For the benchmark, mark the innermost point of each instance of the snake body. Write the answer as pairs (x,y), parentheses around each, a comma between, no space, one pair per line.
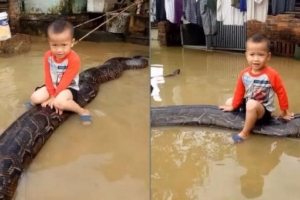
(209,115)
(24,138)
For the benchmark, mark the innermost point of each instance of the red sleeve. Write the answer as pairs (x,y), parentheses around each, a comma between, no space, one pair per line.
(70,73)
(280,91)
(48,79)
(239,92)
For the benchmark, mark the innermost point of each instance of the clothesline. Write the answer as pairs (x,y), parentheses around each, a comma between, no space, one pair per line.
(206,13)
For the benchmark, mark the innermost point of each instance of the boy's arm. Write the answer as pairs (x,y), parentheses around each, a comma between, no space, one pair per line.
(281,93)
(238,93)
(48,79)
(68,76)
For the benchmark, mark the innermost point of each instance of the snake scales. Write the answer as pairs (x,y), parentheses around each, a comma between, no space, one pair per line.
(207,115)
(25,137)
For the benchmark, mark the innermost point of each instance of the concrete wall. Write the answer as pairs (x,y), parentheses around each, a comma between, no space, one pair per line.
(32,14)
(79,6)
(18,7)
(47,7)
(53,6)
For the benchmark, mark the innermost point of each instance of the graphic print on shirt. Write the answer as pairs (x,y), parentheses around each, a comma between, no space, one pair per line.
(61,69)
(247,80)
(263,87)
(261,91)
(57,70)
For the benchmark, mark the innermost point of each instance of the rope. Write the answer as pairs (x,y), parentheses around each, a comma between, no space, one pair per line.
(123,10)
(97,17)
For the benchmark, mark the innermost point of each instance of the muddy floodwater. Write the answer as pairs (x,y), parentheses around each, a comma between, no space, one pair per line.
(107,160)
(194,163)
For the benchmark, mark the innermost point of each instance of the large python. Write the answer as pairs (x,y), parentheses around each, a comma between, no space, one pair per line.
(209,115)
(25,137)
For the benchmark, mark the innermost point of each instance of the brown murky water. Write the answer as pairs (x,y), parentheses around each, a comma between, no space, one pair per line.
(107,160)
(194,163)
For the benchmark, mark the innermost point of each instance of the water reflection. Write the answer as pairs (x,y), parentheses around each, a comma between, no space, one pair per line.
(157,78)
(191,164)
(182,161)
(157,82)
(259,161)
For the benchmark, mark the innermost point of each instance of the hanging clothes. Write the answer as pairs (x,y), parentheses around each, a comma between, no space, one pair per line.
(243,5)
(212,4)
(153,10)
(235,3)
(209,18)
(160,10)
(257,10)
(191,11)
(170,10)
(198,12)
(280,6)
(178,11)
(229,15)
(290,5)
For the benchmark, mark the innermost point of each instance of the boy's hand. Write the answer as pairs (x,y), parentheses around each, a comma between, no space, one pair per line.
(59,111)
(226,108)
(286,115)
(48,102)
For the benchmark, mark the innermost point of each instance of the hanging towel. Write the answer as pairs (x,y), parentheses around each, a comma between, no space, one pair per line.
(229,15)
(170,11)
(257,10)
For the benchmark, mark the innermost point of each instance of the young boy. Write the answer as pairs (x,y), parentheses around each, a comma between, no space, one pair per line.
(256,86)
(61,68)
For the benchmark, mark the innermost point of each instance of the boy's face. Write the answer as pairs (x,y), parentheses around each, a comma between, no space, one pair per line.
(60,43)
(257,55)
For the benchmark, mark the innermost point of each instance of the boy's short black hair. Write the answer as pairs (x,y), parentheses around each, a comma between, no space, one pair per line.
(60,25)
(257,38)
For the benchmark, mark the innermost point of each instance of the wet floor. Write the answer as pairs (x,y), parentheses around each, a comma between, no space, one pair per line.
(194,163)
(107,160)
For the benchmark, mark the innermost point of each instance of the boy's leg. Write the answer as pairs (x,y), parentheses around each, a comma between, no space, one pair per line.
(39,96)
(254,112)
(229,102)
(64,101)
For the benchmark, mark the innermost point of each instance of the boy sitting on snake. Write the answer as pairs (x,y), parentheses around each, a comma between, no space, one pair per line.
(61,69)
(256,86)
